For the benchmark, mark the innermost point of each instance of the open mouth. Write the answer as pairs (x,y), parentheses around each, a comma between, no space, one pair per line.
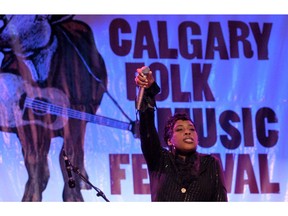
(188,140)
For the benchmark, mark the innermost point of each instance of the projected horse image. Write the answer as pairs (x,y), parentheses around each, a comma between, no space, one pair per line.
(53,79)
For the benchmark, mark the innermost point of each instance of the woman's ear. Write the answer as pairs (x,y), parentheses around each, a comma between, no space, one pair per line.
(169,142)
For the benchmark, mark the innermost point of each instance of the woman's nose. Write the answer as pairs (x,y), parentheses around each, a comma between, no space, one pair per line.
(187,131)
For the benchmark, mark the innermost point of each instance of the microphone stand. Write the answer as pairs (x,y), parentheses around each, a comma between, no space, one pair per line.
(99,192)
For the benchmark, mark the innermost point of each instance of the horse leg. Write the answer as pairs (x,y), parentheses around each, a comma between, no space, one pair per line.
(74,134)
(35,148)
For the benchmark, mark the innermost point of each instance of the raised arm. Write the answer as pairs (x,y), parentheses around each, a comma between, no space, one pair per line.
(150,143)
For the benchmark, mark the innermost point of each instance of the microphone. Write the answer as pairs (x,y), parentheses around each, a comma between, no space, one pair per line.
(71,181)
(145,70)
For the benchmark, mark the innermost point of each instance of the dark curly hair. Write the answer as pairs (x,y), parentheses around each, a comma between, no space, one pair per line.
(168,130)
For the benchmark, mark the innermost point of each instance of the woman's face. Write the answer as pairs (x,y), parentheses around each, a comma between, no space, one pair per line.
(184,137)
